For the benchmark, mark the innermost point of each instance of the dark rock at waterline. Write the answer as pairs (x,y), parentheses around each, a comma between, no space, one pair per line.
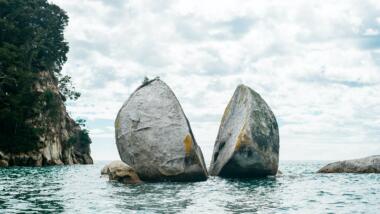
(119,171)
(369,164)
(154,136)
(4,160)
(247,144)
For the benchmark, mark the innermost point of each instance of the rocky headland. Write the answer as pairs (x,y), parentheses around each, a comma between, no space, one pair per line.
(35,128)
(61,141)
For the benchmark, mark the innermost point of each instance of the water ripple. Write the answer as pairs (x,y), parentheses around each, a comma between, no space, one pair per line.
(80,189)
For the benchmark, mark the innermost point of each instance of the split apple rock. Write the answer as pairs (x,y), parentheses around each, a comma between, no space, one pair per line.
(247,144)
(154,136)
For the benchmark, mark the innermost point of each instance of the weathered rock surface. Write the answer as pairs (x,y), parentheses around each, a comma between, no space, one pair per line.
(247,144)
(364,165)
(154,136)
(60,139)
(4,160)
(119,171)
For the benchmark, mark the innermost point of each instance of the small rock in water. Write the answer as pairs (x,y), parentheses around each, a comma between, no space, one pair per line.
(119,171)
(3,163)
(154,136)
(369,164)
(4,160)
(247,144)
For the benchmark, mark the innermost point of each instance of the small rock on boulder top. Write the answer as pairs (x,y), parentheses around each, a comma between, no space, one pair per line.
(364,165)
(247,144)
(154,136)
(119,171)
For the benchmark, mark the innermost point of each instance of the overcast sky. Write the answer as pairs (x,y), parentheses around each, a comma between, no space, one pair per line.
(316,63)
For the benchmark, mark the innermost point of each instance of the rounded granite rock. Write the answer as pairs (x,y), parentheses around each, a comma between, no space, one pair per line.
(154,136)
(363,165)
(4,159)
(119,171)
(4,163)
(247,144)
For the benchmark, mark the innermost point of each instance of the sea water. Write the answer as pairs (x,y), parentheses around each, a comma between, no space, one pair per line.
(81,189)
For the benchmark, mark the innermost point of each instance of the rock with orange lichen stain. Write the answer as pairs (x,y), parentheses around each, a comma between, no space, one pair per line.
(247,144)
(154,136)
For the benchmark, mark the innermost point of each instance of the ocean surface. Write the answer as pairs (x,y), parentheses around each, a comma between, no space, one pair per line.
(80,189)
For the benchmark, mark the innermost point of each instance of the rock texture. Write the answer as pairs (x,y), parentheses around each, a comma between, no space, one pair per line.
(60,141)
(119,171)
(154,136)
(247,144)
(364,165)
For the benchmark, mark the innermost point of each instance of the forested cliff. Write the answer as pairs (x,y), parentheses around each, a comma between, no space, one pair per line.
(35,128)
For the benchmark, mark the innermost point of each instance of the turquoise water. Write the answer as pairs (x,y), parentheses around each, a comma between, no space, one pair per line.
(80,189)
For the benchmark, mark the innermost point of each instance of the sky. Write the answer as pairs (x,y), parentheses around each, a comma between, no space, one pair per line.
(316,64)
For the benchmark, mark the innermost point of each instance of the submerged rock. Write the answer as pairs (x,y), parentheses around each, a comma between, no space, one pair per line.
(119,171)
(369,164)
(247,144)
(154,136)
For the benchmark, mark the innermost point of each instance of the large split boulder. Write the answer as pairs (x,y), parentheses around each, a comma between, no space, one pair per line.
(247,144)
(154,136)
(369,164)
(119,171)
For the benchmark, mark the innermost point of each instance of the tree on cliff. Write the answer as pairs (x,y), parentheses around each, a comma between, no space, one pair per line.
(31,42)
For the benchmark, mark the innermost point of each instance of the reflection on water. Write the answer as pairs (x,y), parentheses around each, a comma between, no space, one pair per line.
(252,195)
(80,189)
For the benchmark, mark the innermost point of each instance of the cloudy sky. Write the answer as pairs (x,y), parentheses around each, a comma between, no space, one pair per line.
(316,63)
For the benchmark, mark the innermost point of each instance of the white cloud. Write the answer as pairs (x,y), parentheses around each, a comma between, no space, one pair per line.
(371,32)
(315,63)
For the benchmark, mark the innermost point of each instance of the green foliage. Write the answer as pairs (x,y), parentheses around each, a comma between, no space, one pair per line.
(81,138)
(145,81)
(67,89)
(81,122)
(31,41)
(33,31)
(51,104)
